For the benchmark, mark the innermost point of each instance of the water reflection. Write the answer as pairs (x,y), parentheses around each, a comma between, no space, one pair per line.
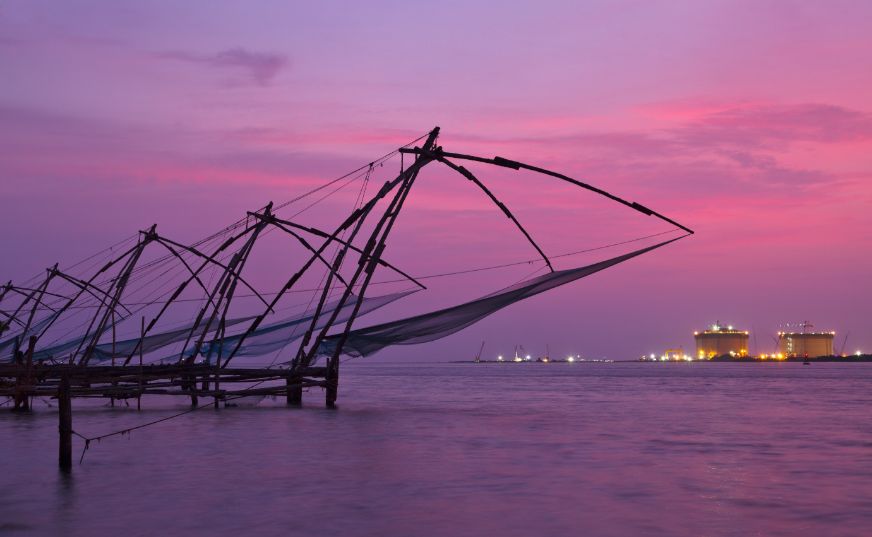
(562,449)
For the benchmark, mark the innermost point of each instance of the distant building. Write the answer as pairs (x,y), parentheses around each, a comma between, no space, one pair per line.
(720,340)
(806,344)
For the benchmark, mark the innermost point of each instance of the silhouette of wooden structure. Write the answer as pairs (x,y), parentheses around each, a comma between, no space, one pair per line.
(204,368)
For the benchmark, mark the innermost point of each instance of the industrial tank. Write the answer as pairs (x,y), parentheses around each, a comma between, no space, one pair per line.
(806,344)
(719,340)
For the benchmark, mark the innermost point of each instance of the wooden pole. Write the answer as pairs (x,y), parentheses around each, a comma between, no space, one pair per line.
(28,399)
(24,381)
(65,425)
(141,342)
(332,382)
(295,392)
(218,368)
(217,382)
(112,399)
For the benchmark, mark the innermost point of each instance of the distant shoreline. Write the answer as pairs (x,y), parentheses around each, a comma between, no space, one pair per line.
(720,359)
(840,359)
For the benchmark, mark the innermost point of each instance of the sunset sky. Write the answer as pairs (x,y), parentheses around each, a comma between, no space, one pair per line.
(750,122)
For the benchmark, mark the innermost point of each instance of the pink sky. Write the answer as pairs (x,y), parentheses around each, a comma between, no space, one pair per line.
(750,122)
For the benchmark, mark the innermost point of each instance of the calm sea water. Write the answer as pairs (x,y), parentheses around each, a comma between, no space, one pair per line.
(465,449)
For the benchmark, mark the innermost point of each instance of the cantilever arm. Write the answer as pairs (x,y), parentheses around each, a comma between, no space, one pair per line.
(22,291)
(309,247)
(178,256)
(210,259)
(325,235)
(88,288)
(207,259)
(27,297)
(355,217)
(6,289)
(515,165)
(466,173)
(89,283)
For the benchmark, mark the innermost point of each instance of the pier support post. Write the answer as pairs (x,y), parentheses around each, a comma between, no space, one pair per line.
(193,388)
(332,378)
(65,425)
(141,345)
(295,392)
(24,382)
(217,384)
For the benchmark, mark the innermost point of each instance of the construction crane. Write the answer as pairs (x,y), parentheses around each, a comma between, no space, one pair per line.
(478,356)
(844,343)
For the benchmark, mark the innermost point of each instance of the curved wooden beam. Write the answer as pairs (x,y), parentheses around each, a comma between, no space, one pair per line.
(211,259)
(466,173)
(515,165)
(325,235)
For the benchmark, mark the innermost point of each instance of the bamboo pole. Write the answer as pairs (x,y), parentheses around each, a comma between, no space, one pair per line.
(65,425)
(141,342)
(112,400)
(24,378)
(332,387)
(295,392)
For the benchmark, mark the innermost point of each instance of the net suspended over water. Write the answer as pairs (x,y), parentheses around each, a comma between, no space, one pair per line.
(273,337)
(70,316)
(269,338)
(438,324)
(361,342)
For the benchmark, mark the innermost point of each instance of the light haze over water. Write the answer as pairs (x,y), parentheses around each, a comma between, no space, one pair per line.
(609,449)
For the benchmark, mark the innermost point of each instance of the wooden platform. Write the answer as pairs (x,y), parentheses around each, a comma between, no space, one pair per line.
(132,381)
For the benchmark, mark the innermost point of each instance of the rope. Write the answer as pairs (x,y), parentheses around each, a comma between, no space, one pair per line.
(136,284)
(529,261)
(128,430)
(122,432)
(441,274)
(235,225)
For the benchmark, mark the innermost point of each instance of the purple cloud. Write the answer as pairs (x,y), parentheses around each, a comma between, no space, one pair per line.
(738,150)
(261,67)
(755,125)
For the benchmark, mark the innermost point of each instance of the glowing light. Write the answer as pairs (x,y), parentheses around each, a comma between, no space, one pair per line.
(518,358)
(528,357)
(858,353)
(500,358)
(651,356)
(730,327)
(570,359)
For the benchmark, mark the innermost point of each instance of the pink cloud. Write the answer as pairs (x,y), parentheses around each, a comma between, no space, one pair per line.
(688,109)
(722,147)
(763,125)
